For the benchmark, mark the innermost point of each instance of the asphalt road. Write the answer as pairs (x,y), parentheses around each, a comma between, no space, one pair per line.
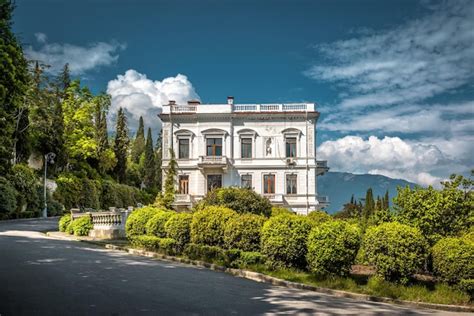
(44,276)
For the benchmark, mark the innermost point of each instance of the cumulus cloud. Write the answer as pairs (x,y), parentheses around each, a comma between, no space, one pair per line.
(389,156)
(80,58)
(140,96)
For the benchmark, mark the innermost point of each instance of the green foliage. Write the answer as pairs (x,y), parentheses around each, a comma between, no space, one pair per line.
(283,240)
(138,147)
(453,259)
(437,213)
(25,183)
(149,163)
(70,228)
(250,258)
(277,210)
(154,243)
(332,248)
(241,200)
(369,206)
(208,225)
(136,222)
(7,198)
(166,200)
(243,232)
(156,225)
(121,146)
(203,252)
(82,225)
(64,222)
(396,250)
(178,227)
(158,161)
(319,217)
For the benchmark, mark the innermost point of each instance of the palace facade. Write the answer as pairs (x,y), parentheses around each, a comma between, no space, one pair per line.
(270,148)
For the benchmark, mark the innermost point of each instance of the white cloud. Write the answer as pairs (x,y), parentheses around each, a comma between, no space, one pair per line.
(41,37)
(389,156)
(141,96)
(80,58)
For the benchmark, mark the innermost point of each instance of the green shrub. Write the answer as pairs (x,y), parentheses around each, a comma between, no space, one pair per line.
(396,250)
(156,224)
(278,210)
(26,184)
(178,227)
(109,196)
(168,246)
(283,240)
(208,225)
(203,252)
(90,193)
(241,200)
(64,222)
(151,243)
(332,248)
(82,225)
(467,285)
(136,222)
(249,258)
(7,198)
(70,228)
(69,190)
(319,217)
(453,259)
(243,232)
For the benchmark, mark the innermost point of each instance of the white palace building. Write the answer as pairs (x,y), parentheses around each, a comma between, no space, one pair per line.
(270,148)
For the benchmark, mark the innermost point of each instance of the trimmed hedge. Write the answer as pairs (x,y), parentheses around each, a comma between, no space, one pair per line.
(178,227)
(453,260)
(277,210)
(136,222)
(283,240)
(156,224)
(208,225)
(396,250)
(82,225)
(332,248)
(154,243)
(64,222)
(249,258)
(319,217)
(203,252)
(243,232)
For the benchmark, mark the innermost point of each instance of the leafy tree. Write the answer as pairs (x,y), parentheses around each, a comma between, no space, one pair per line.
(121,146)
(150,166)
(13,84)
(350,210)
(105,155)
(138,147)
(437,213)
(167,198)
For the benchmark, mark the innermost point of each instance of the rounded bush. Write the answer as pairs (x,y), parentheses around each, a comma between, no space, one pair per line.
(396,250)
(178,227)
(64,222)
(208,225)
(70,228)
(332,248)
(278,210)
(82,226)
(136,222)
(156,225)
(7,198)
(319,217)
(453,259)
(283,240)
(243,232)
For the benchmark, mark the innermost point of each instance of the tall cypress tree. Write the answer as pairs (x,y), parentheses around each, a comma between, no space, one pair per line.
(158,160)
(121,146)
(150,166)
(369,205)
(386,200)
(139,143)
(166,198)
(13,85)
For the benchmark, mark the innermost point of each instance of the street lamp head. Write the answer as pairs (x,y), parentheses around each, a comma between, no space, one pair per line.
(50,157)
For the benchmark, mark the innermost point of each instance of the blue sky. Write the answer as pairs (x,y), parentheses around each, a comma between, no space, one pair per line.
(393,79)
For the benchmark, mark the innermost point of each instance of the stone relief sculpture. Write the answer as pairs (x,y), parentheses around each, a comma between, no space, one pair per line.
(268,147)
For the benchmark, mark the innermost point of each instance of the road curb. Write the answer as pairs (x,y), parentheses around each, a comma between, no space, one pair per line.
(259,277)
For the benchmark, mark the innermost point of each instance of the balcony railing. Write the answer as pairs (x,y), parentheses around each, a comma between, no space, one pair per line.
(212,160)
(274,198)
(270,107)
(322,164)
(183,108)
(322,199)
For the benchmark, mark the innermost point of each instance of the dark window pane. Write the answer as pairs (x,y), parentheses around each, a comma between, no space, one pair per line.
(246,148)
(183,184)
(269,184)
(291,184)
(214,181)
(183,148)
(291,147)
(214,146)
(246,181)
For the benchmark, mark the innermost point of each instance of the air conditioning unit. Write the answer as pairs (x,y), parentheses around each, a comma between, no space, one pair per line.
(290,161)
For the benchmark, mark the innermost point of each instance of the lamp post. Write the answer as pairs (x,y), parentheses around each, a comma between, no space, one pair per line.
(48,158)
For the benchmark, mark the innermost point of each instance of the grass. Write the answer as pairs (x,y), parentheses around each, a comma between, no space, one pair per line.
(437,293)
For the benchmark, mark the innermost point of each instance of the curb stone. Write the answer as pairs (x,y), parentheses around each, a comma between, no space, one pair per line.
(260,277)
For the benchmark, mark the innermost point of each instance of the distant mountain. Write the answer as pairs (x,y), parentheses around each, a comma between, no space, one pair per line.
(340,186)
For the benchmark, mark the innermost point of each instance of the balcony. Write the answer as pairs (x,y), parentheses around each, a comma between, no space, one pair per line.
(323,200)
(183,199)
(321,167)
(212,162)
(274,198)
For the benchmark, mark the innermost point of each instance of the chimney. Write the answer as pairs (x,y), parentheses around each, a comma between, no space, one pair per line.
(194,102)
(230,100)
(172,102)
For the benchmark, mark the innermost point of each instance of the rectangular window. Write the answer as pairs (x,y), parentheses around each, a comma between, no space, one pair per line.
(183,149)
(183,184)
(246,181)
(291,147)
(246,147)
(269,184)
(291,185)
(214,181)
(214,146)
